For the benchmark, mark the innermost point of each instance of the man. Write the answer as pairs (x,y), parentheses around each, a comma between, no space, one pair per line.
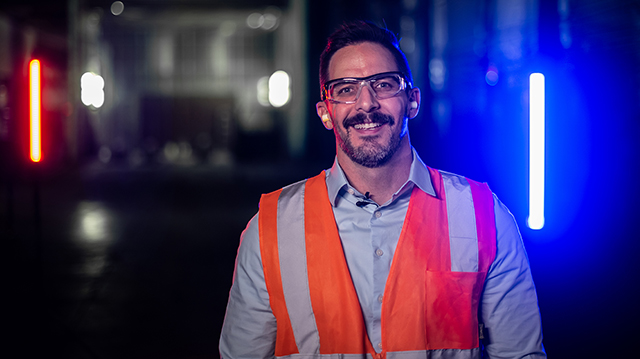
(380,256)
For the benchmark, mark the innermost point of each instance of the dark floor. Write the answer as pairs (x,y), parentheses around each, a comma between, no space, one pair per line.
(109,262)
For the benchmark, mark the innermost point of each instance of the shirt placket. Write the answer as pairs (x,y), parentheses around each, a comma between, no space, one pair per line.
(382,256)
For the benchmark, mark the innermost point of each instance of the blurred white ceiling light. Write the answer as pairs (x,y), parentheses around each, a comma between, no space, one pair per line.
(92,89)
(279,89)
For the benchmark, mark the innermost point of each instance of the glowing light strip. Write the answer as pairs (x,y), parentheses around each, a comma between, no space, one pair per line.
(35,143)
(536,151)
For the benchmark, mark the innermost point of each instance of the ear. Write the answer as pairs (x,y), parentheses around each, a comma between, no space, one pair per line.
(414,102)
(323,113)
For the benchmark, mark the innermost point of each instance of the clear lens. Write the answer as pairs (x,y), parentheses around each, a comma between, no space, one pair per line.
(344,90)
(386,86)
(382,85)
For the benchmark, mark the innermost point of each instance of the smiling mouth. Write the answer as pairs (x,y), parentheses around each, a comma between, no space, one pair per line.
(367,126)
(368,122)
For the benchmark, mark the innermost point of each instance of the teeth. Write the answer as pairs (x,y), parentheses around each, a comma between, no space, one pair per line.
(366,126)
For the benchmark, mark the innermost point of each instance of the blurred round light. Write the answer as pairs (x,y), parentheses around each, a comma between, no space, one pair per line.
(408,44)
(92,89)
(437,73)
(407,23)
(255,20)
(117,8)
(94,221)
(104,154)
(263,91)
(270,21)
(98,99)
(86,79)
(492,77)
(171,151)
(279,90)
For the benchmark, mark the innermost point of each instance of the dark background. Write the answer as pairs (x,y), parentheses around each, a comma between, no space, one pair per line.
(131,254)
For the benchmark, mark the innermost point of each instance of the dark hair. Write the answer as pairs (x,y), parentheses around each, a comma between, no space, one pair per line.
(357,32)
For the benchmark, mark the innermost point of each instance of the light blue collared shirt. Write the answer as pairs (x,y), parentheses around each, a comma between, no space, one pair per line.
(369,235)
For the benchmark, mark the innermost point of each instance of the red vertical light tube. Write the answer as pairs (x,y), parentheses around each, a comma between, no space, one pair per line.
(35,133)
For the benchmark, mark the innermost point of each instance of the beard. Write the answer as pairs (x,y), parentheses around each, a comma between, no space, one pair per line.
(370,154)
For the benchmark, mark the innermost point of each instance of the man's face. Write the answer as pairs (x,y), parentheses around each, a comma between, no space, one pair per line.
(371,130)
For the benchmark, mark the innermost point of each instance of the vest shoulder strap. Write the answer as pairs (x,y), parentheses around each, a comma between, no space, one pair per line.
(269,223)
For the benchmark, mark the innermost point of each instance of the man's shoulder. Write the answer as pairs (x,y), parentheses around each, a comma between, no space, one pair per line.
(293,187)
(458,180)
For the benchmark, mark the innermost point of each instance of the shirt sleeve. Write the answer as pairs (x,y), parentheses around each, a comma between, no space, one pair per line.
(249,329)
(509,308)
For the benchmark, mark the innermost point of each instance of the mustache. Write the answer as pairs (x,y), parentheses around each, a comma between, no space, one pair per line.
(373,117)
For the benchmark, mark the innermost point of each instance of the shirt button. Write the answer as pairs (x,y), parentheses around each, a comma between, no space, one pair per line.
(380,298)
(379,252)
(378,214)
(351,191)
(380,345)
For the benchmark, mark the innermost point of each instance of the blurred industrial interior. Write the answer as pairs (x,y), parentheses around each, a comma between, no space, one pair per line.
(164,120)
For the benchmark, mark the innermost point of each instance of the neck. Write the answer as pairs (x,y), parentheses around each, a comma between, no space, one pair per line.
(381,182)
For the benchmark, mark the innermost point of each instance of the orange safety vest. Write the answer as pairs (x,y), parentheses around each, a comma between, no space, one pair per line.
(432,293)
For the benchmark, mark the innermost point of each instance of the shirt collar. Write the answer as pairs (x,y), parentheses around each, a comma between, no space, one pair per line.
(418,175)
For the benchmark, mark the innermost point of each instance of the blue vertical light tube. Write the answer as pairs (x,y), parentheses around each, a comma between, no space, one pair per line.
(536,151)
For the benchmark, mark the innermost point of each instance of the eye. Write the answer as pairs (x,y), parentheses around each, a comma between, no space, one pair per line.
(343,89)
(386,84)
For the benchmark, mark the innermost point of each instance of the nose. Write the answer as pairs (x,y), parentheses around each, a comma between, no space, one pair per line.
(367,100)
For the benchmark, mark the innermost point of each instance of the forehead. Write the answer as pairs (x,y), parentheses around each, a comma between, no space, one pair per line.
(361,60)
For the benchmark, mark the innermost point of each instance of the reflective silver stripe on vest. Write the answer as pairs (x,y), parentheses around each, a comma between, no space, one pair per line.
(463,236)
(293,267)
(328,356)
(417,354)
(437,354)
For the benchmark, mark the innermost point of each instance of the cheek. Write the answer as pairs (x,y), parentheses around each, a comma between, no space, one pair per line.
(394,106)
(399,114)
(338,115)
(340,112)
